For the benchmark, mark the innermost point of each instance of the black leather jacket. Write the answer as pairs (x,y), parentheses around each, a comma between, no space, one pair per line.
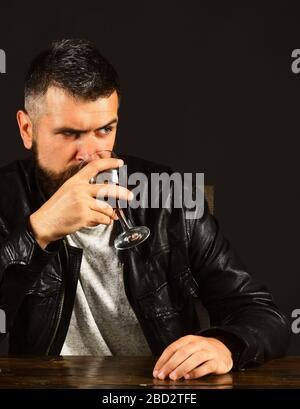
(182,262)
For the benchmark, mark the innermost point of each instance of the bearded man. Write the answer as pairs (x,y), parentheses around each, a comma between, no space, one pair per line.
(64,287)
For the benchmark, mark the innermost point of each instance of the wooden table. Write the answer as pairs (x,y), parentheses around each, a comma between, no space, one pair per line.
(133,372)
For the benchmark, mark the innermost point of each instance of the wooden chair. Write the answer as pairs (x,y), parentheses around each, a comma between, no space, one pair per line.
(209,196)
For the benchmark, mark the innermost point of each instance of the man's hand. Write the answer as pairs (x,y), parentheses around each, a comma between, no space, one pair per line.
(74,204)
(193,356)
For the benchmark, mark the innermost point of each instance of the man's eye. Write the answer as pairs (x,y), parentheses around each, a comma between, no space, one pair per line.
(67,133)
(106,130)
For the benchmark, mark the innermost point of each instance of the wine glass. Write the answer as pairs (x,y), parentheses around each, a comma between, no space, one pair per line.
(132,235)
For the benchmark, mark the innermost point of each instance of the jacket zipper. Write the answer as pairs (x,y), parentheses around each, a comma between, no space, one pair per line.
(61,302)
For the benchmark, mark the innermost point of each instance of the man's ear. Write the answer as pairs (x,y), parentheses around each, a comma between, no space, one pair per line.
(25,127)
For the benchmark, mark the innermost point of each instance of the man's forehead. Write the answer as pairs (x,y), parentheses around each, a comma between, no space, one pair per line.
(58,101)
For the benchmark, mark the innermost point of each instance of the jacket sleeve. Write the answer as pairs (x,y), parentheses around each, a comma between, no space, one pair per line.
(242,312)
(21,262)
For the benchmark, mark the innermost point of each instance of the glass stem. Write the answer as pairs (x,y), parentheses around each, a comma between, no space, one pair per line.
(126,225)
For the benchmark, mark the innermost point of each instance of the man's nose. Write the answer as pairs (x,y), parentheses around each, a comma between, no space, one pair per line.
(86,150)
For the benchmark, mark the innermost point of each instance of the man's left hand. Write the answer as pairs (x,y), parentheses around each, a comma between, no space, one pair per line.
(193,356)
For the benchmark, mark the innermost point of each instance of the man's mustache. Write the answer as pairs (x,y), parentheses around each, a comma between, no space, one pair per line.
(51,181)
(71,171)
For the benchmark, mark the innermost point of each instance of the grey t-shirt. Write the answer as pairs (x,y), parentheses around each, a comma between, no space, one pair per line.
(102,322)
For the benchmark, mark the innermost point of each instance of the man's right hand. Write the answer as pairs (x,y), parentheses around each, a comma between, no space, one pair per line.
(74,204)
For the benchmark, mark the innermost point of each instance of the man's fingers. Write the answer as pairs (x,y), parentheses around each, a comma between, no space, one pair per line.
(102,207)
(209,367)
(98,218)
(168,352)
(192,362)
(178,360)
(189,355)
(109,190)
(98,165)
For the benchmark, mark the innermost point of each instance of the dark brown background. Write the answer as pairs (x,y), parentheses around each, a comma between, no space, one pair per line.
(207,89)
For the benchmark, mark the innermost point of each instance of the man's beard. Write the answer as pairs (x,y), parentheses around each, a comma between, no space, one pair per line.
(49,180)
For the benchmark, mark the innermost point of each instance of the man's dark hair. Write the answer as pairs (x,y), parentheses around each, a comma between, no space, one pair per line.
(76,66)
